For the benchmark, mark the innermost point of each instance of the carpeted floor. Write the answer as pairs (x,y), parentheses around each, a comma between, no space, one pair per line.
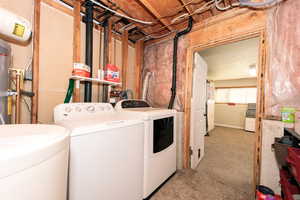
(225,173)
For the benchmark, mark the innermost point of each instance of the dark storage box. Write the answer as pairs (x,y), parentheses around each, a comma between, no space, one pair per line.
(281,152)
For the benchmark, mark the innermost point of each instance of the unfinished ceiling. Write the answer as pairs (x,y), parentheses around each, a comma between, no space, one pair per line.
(231,61)
(166,16)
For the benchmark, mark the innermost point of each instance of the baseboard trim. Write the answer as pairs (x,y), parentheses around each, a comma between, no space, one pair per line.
(229,126)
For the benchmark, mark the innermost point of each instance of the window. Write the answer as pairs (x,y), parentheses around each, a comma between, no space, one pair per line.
(236,95)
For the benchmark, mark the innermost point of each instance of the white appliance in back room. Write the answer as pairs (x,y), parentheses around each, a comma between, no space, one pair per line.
(160,141)
(106,152)
(33,162)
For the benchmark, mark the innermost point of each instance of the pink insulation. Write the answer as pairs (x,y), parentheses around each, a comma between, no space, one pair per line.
(158,58)
(283,72)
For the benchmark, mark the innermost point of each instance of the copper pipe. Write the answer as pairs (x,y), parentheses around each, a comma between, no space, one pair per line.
(18,98)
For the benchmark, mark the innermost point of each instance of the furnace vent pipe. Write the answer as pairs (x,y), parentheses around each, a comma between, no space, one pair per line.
(175,47)
(146,85)
(249,3)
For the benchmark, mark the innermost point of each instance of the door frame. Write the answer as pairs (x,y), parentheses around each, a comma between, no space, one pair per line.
(258,32)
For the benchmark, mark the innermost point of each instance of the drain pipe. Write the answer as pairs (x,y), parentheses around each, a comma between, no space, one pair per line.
(89,48)
(175,47)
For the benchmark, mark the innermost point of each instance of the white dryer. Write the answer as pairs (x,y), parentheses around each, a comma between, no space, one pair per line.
(160,142)
(106,152)
(33,162)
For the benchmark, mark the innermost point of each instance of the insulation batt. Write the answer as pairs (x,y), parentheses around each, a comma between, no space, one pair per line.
(283,72)
(158,58)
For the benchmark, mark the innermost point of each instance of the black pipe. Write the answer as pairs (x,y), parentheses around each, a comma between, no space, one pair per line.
(89,48)
(175,47)
(105,57)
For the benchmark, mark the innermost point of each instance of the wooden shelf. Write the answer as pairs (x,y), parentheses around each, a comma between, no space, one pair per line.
(80,78)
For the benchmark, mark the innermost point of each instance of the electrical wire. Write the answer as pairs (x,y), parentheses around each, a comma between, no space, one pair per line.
(205,7)
(221,8)
(24,100)
(121,15)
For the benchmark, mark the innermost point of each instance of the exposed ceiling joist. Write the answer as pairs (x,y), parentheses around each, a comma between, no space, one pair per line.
(153,11)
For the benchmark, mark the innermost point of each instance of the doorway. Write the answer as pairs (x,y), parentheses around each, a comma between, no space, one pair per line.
(223,107)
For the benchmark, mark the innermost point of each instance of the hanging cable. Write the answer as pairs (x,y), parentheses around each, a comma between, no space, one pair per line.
(119,14)
(221,8)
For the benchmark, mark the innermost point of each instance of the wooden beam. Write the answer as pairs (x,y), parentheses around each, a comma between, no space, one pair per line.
(260,107)
(154,12)
(76,44)
(186,7)
(139,49)
(110,42)
(124,59)
(36,61)
(187,107)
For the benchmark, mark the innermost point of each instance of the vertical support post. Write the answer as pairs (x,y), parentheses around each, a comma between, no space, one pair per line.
(77,45)
(260,107)
(124,58)
(36,61)
(107,53)
(89,48)
(139,49)
(187,108)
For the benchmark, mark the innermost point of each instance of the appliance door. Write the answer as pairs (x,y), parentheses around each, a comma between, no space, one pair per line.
(163,133)
(107,164)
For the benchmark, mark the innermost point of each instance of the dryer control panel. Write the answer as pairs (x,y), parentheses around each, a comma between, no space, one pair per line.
(132,103)
(71,111)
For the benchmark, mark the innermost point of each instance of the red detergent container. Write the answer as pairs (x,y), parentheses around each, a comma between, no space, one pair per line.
(112,73)
(82,70)
(264,193)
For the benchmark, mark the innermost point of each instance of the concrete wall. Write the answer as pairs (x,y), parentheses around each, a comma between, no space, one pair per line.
(56,50)
(269,168)
(236,112)
(230,116)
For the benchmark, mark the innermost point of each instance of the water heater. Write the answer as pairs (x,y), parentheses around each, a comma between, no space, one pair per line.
(14,27)
(4,63)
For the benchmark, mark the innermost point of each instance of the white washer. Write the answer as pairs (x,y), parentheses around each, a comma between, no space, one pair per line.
(160,142)
(106,152)
(33,162)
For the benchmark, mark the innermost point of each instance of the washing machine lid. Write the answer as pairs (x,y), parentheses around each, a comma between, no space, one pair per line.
(24,146)
(89,125)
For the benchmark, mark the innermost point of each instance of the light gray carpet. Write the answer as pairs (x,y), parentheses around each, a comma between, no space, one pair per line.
(225,173)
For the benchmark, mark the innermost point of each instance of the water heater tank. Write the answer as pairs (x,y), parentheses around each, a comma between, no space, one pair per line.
(14,27)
